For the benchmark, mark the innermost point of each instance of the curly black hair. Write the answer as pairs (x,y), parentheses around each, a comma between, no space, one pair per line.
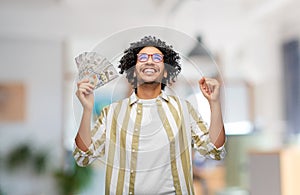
(171,59)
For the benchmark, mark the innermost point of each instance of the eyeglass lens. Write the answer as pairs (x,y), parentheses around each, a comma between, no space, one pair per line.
(156,57)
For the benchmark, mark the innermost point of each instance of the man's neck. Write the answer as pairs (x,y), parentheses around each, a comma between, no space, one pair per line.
(148,91)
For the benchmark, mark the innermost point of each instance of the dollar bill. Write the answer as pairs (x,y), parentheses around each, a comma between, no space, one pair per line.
(96,68)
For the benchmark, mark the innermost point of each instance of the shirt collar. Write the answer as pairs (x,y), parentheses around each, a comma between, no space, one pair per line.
(134,98)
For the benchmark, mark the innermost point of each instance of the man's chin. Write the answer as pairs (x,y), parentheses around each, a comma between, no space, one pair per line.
(150,83)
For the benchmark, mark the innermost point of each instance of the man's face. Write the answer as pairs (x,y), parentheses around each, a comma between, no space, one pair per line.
(150,66)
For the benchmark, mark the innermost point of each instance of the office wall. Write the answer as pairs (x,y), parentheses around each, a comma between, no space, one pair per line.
(37,64)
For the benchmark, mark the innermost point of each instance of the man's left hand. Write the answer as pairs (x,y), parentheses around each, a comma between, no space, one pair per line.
(210,88)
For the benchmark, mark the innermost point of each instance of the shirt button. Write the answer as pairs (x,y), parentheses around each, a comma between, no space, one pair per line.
(130,192)
(139,111)
(131,171)
(133,150)
(136,130)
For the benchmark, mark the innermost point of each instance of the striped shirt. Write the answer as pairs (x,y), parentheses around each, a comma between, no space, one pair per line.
(146,145)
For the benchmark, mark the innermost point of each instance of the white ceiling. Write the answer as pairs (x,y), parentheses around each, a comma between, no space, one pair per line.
(100,18)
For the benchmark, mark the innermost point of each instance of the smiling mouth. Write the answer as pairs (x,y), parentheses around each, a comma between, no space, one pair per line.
(149,71)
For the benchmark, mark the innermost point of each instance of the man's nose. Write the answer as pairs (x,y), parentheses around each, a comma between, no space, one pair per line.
(150,59)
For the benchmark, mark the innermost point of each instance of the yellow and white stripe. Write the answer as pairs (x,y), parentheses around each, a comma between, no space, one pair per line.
(131,158)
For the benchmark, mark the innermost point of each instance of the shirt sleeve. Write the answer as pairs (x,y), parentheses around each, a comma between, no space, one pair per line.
(200,137)
(97,147)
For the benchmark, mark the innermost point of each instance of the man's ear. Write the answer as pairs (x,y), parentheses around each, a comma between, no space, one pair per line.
(165,73)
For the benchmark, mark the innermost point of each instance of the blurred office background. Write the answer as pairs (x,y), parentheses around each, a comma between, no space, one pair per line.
(255,45)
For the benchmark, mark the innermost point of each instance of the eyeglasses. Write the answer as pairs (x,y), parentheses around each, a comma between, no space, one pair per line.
(156,57)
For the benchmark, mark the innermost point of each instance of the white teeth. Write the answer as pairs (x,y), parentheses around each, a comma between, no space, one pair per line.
(148,70)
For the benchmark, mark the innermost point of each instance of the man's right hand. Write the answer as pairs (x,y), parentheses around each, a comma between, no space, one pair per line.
(85,94)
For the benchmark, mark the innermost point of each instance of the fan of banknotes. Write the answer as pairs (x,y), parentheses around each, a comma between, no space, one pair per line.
(96,68)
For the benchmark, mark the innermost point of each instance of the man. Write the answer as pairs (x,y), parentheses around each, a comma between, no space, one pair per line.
(146,139)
